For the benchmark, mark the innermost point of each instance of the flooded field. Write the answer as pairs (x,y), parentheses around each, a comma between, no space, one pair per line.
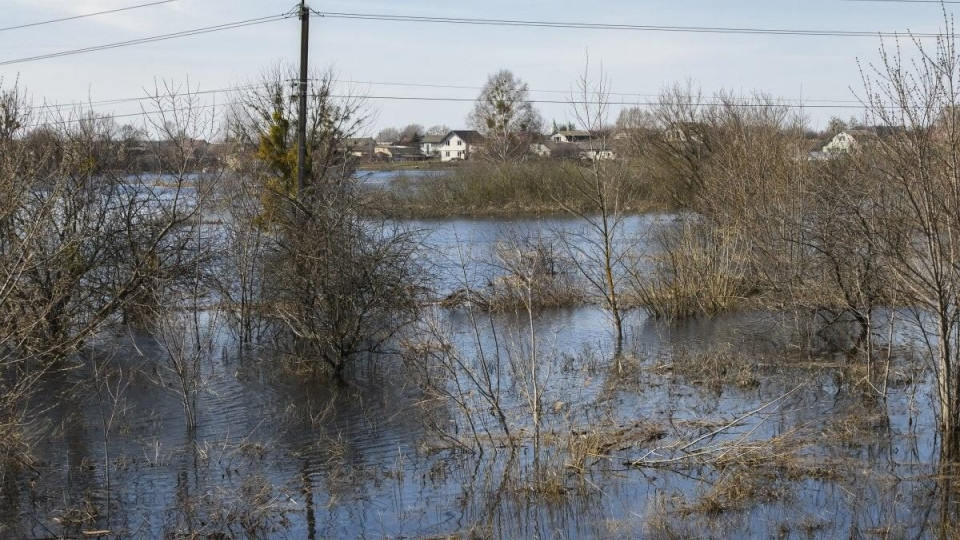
(708,429)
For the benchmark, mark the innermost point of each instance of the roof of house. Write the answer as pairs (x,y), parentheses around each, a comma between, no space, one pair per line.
(468,135)
(431,139)
(405,151)
(574,133)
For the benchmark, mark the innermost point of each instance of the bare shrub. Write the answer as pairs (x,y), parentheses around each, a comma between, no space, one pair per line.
(600,251)
(83,244)
(698,270)
(470,385)
(535,272)
(336,283)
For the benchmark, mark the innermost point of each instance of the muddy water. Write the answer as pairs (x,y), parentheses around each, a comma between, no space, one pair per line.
(286,456)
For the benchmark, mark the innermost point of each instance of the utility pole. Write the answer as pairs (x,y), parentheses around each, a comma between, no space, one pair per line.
(302,96)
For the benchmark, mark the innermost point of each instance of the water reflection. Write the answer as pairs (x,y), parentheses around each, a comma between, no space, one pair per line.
(283,455)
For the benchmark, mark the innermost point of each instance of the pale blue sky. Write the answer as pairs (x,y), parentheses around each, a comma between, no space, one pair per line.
(548,59)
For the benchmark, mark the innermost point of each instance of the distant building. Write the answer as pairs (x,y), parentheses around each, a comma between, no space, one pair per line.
(460,145)
(430,145)
(583,150)
(363,147)
(570,136)
(406,153)
(382,152)
(555,150)
(849,141)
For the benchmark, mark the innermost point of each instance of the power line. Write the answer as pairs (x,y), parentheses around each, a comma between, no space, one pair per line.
(85,15)
(565,92)
(108,116)
(120,101)
(733,103)
(605,26)
(806,103)
(151,39)
(738,104)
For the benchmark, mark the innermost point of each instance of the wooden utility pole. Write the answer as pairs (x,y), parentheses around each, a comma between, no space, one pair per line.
(302,96)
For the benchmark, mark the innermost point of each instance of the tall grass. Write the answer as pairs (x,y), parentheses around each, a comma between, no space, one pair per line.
(536,186)
(700,272)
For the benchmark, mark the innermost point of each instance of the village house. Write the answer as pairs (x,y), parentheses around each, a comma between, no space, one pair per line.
(583,150)
(570,136)
(430,145)
(392,152)
(573,144)
(362,147)
(406,153)
(848,141)
(555,150)
(460,145)
(382,152)
(594,151)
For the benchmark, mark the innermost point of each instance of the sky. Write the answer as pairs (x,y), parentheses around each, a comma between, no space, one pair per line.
(380,58)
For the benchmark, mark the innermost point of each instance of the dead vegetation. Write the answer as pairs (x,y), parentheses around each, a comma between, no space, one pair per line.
(696,272)
(716,368)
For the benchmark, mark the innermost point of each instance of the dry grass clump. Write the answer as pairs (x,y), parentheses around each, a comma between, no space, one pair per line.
(699,272)
(668,518)
(737,490)
(536,275)
(603,440)
(256,509)
(509,293)
(777,458)
(857,426)
(715,368)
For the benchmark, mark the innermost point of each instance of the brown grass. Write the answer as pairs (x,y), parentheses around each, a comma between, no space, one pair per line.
(488,188)
(605,439)
(716,367)
(700,272)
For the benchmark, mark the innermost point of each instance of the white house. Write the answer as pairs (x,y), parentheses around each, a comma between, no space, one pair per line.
(569,136)
(430,145)
(848,141)
(460,145)
(584,150)
(594,151)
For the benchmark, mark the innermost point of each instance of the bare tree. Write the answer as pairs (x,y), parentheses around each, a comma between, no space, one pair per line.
(601,250)
(388,135)
(84,245)
(411,134)
(920,159)
(504,115)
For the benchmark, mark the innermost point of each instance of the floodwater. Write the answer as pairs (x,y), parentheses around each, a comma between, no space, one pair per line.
(788,448)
